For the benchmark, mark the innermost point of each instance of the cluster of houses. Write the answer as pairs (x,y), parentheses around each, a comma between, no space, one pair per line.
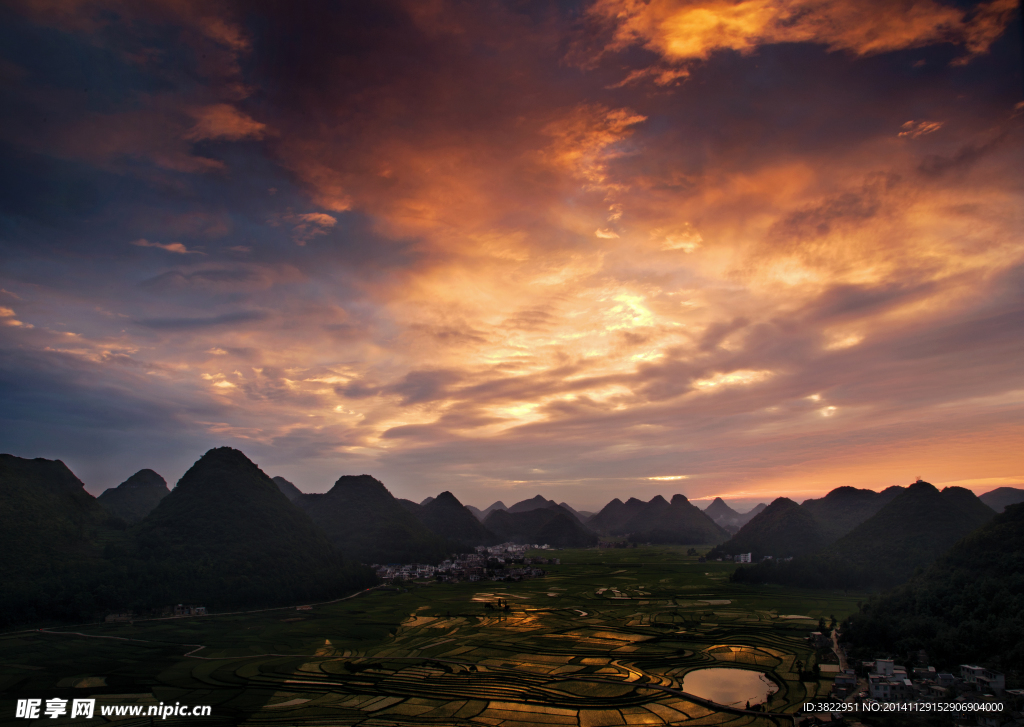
(505,562)
(888,682)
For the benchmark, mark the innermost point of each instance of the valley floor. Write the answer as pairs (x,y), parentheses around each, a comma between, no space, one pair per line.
(606,638)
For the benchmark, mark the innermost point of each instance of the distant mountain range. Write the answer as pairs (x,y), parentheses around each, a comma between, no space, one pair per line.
(136,497)
(728,518)
(1002,497)
(844,508)
(658,521)
(365,521)
(555,526)
(224,537)
(228,535)
(616,514)
(784,528)
(912,529)
(448,518)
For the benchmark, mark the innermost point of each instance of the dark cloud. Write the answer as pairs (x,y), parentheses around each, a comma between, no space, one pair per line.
(425,385)
(717,332)
(936,165)
(851,301)
(183,324)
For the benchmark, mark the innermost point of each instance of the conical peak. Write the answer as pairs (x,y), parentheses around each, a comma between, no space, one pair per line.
(679,500)
(57,473)
(718,505)
(845,491)
(357,483)
(616,501)
(921,487)
(635,501)
(221,460)
(446,498)
(144,479)
(781,503)
(658,500)
(225,455)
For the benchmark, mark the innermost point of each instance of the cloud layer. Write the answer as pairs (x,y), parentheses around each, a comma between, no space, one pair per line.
(748,248)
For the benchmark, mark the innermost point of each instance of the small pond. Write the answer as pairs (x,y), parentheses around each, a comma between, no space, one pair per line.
(730,686)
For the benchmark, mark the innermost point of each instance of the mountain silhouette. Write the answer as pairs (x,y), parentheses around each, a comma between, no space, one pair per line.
(719,511)
(730,519)
(1002,497)
(136,497)
(290,491)
(539,502)
(615,515)
(481,515)
(908,533)
(414,507)
(53,535)
(581,516)
(785,529)
(366,522)
(781,530)
(749,515)
(844,508)
(47,519)
(917,526)
(227,536)
(553,526)
(446,517)
(678,521)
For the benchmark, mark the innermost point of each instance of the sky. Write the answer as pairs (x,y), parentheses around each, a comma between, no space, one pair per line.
(737,248)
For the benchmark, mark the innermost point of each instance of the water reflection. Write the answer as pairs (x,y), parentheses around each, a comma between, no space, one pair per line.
(730,686)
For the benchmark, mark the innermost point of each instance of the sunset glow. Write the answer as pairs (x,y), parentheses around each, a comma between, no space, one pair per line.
(502,249)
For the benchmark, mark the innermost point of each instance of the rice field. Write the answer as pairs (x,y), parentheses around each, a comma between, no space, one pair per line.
(606,638)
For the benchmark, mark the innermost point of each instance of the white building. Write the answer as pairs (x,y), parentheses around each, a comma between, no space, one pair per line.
(986,680)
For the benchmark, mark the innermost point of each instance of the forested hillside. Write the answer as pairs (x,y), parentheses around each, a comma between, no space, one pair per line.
(967,607)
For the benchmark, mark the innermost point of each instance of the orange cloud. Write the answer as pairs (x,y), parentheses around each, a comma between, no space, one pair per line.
(685,30)
(223,121)
(550,275)
(917,129)
(175,247)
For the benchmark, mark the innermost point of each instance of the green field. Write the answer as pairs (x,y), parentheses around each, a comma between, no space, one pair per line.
(584,645)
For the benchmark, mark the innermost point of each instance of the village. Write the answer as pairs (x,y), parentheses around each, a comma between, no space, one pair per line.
(871,684)
(504,562)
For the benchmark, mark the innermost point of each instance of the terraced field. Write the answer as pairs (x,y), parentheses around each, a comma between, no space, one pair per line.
(607,638)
